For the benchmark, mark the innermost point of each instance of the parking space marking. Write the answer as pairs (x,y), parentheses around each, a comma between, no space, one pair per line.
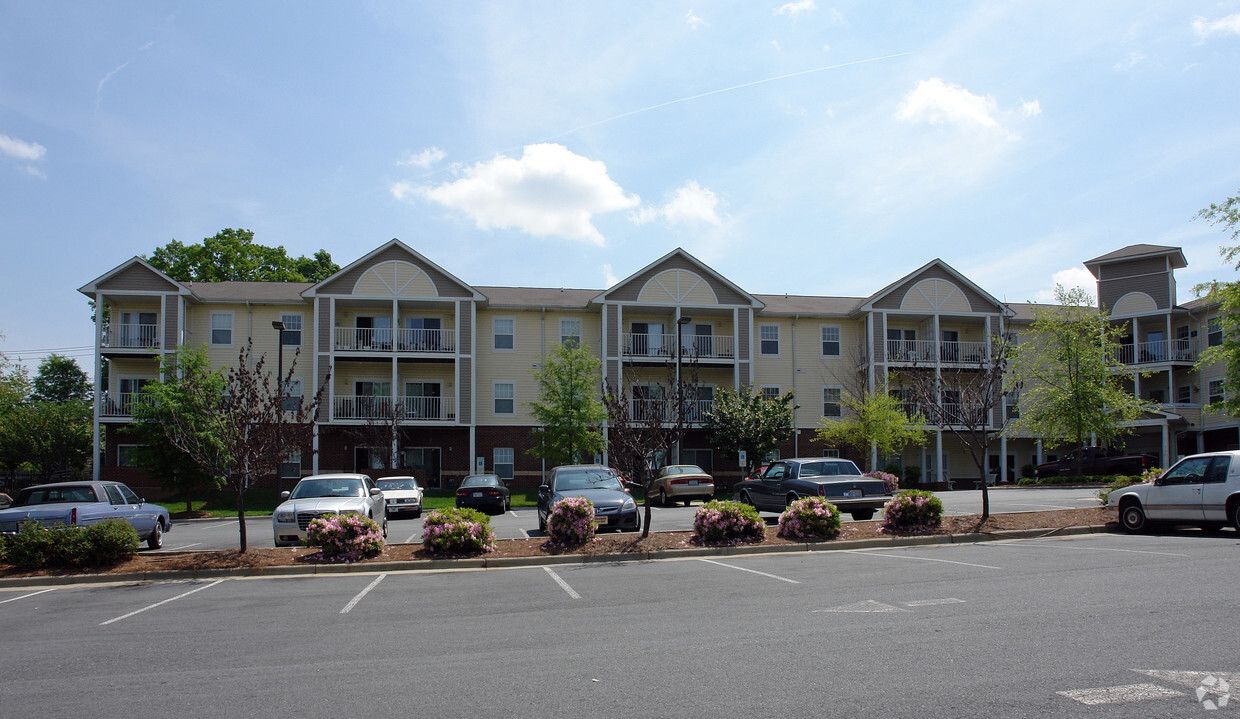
(412,537)
(879,553)
(1121,694)
(562,583)
(1054,544)
(523,532)
(353,602)
(158,604)
(41,591)
(932,602)
(751,571)
(183,546)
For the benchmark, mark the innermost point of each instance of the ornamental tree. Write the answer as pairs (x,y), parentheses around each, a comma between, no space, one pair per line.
(1227,296)
(569,412)
(875,419)
(745,420)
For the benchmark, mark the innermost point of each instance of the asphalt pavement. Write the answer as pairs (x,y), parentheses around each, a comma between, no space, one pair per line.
(1100,625)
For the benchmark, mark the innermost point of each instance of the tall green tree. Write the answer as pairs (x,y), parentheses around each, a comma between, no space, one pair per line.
(54,438)
(569,410)
(746,420)
(60,379)
(1068,375)
(875,419)
(1227,295)
(14,393)
(233,255)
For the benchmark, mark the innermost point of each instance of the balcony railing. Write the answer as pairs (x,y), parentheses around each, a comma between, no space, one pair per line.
(661,410)
(930,351)
(664,345)
(952,414)
(1177,350)
(380,339)
(380,408)
(121,404)
(117,335)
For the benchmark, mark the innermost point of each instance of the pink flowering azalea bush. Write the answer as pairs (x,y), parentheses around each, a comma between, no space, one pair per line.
(912,511)
(727,522)
(810,518)
(571,522)
(458,532)
(1151,474)
(890,481)
(345,537)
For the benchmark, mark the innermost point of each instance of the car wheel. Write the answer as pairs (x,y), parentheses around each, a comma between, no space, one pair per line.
(863,515)
(417,513)
(1132,517)
(542,524)
(1235,516)
(663,499)
(156,540)
(792,497)
(745,499)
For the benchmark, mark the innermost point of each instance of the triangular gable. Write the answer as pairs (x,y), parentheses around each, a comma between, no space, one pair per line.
(134,274)
(929,276)
(393,268)
(677,278)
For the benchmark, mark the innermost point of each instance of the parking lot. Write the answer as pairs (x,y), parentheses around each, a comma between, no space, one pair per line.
(1018,628)
(523,522)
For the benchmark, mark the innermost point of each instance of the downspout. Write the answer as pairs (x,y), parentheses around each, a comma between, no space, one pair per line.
(796,433)
(542,354)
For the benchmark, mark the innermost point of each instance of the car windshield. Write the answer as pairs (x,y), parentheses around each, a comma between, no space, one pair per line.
(685,469)
(388,484)
(55,495)
(828,469)
(481,480)
(587,479)
(342,487)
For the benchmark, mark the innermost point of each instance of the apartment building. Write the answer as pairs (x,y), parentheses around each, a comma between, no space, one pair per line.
(458,361)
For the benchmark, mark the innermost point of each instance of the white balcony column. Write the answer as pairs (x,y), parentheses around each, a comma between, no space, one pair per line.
(1003,473)
(314,440)
(937,344)
(98,399)
(938,455)
(1165,459)
(1037,443)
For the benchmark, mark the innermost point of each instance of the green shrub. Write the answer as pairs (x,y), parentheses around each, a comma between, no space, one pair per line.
(457,531)
(97,545)
(1121,482)
(109,542)
(727,522)
(810,518)
(33,547)
(912,511)
(1028,471)
(1077,479)
(912,475)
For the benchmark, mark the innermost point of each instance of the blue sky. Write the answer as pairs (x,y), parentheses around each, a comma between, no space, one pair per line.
(809,147)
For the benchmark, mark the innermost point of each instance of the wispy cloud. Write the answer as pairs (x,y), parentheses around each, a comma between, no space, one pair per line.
(112,73)
(1229,24)
(423,159)
(794,9)
(548,192)
(21,150)
(691,204)
(693,21)
(609,277)
(934,101)
(1132,60)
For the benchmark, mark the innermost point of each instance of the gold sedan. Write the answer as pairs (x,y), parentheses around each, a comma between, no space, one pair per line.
(684,482)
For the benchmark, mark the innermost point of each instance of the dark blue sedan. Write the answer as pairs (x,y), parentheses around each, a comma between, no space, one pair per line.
(614,507)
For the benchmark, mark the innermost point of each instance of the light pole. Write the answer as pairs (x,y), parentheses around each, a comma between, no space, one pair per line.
(680,395)
(278,326)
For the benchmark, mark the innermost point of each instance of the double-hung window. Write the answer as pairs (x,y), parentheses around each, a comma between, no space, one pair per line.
(1214,332)
(292,330)
(221,328)
(504,462)
(831,402)
(768,336)
(505,398)
(830,341)
(503,332)
(570,332)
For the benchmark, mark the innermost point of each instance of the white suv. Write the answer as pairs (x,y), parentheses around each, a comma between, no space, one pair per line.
(1202,489)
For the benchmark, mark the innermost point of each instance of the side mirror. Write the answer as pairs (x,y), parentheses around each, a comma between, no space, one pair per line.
(544,489)
(5,504)
(284,495)
(1158,481)
(376,492)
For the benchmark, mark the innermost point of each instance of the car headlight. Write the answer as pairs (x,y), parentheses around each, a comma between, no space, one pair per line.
(286,517)
(628,504)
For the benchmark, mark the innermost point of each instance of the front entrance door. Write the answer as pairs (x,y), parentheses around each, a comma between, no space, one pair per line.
(425,463)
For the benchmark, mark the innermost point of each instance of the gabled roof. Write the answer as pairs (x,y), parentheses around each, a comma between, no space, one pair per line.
(92,288)
(394,242)
(1138,252)
(680,252)
(868,304)
(233,291)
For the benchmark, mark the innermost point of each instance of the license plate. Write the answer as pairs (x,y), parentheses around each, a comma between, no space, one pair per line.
(853,493)
(476,494)
(600,520)
(693,483)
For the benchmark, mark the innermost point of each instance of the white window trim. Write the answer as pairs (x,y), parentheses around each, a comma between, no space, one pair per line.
(581,330)
(823,401)
(494,397)
(288,460)
(301,328)
(232,328)
(294,383)
(1222,391)
(779,344)
(494,334)
(839,339)
(763,388)
(495,463)
(1219,320)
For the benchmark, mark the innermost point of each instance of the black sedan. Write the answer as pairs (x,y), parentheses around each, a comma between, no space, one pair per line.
(836,480)
(614,507)
(484,491)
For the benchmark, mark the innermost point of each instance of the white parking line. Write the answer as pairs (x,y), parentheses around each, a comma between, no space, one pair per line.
(353,602)
(523,532)
(183,546)
(751,571)
(157,604)
(1055,544)
(562,583)
(415,535)
(933,602)
(41,591)
(1120,695)
(878,553)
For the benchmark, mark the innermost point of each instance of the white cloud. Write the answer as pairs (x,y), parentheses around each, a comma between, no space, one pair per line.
(1069,278)
(690,204)
(20,150)
(423,159)
(794,9)
(1129,62)
(32,170)
(693,21)
(1029,109)
(936,102)
(609,278)
(1206,28)
(548,192)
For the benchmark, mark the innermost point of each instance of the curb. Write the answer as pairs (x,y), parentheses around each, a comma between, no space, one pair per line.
(483,563)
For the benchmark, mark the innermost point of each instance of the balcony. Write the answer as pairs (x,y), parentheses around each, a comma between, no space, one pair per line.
(380,339)
(927,352)
(411,409)
(130,336)
(639,345)
(120,405)
(643,410)
(1177,350)
(953,414)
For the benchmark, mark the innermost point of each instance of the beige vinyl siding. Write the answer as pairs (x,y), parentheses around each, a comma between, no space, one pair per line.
(131,368)
(254,322)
